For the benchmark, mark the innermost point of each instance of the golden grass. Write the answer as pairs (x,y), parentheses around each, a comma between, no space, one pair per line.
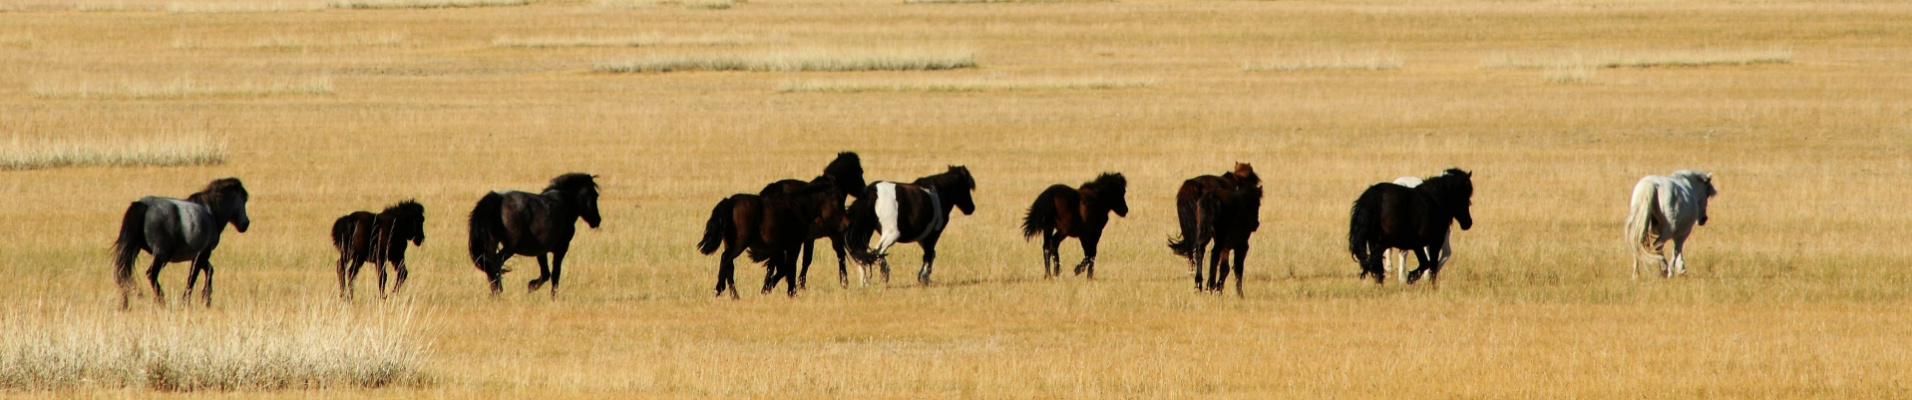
(799,60)
(17,40)
(179,88)
(246,7)
(649,39)
(1648,59)
(1332,62)
(424,4)
(964,85)
(1005,1)
(1797,286)
(311,348)
(56,153)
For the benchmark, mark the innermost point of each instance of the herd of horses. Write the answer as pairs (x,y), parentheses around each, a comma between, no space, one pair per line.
(779,225)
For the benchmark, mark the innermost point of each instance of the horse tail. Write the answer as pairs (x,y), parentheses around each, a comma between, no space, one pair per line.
(1209,211)
(342,232)
(863,223)
(1188,219)
(132,238)
(720,222)
(486,219)
(1639,224)
(1041,216)
(1364,224)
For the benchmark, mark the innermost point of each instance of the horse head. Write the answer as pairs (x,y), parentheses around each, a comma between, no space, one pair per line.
(410,221)
(227,199)
(1109,190)
(1457,194)
(960,184)
(1244,175)
(848,171)
(1246,203)
(1704,181)
(580,191)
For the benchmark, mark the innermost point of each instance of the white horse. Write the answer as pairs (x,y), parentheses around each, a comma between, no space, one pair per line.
(1665,208)
(1397,258)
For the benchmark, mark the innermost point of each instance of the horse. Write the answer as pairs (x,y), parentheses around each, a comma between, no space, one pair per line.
(1237,216)
(1665,208)
(1194,223)
(772,229)
(363,236)
(1396,260)
(916,212)
(175,230)
(514,222)
(1061,212)
(847,170)
(1388,216)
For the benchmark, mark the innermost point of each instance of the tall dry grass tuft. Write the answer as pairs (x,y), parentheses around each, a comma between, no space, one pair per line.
(315,347)
(179,88)
(1645,59)
(801,60)
(649,39)
(424,4)
(173,151)
(1332,62)
(965,85)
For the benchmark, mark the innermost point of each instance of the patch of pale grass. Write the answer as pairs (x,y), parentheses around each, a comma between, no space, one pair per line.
(800,60)
(1646,59)
(424,4)
(113,7)
(650,39)
(222,8)
(180,88)
(625,4)
(1575,74)
(967,85)
(1333,62)
(308,42)
(160,152)
(707,4)
(17,40)
(1003,1)
(316,347)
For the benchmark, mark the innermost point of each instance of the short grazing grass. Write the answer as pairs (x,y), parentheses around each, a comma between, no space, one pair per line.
(424,4)
(968,85)
(1331,62)
(214,8)
(652,39)
(17,40)
(174,151)
(800,60)
(1576,74)
(1646,59)
(179,89)
(1006,1)
(317,347)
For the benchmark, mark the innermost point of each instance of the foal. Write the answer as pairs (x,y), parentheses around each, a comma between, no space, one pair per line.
(1061,212)
(362,236)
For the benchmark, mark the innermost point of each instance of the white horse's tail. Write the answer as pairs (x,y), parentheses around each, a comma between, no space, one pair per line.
(1640,229)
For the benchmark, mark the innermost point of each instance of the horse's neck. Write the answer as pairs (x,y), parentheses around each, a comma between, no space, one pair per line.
(560,205)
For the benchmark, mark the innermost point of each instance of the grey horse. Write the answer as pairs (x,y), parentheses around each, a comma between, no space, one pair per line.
(175,230)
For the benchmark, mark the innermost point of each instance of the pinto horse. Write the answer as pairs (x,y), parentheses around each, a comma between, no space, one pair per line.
(1061,212)
(1197,204)
(771,229)
(1666,208)
(175,230)
(1396,259)
(847,170)
(1391,216)
(363,236)
(904,213)
(514,222)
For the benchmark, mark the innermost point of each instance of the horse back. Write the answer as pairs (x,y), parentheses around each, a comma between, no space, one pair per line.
(179,227)
(529,225)
(352,234)
(1407,218)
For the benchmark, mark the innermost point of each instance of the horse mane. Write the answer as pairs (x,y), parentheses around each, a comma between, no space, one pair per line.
(217,191)
(822,184)
(1450,184)
(407,208)
(958,176)
(846,164)
(1698,176)
(571,182)
(1108,182)
(1243,175)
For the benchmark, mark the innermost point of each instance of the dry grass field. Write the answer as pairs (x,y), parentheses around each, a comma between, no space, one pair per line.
(1801,285)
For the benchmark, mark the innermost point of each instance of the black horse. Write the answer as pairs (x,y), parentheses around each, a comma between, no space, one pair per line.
(1062,212)
(904,213)
(528,224)
(771,228)
(1237,215)
(1394,216)
(175,230)
(847,170)
(1197,206)
(378,238)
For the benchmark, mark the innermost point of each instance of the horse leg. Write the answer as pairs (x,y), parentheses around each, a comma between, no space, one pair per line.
(152,276)
(1241,257)
(1214,268)
(843,268)
(380,267)
(557,269)
(929,262)
(495,270)
(351,278)
(1050,245)
(544,274)
(342,293)
(1376,256)
(192,280)
(726,269)
(803,277)
(1679,258)
(792,278)
(399,268)
(206,265)
(1089,243)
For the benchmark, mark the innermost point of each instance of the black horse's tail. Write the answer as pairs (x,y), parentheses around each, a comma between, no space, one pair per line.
(1362,226)
(487,219)
(342,232)
(132,238)
(1039,218)
(1198,224)
(862,223)
(720,222)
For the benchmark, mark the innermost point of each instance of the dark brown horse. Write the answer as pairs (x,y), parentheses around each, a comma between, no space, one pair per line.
(1062,212)
(1237,216)
(771,229)
(905,213)
(175,230)
(378,238)
(847,170)
(513,222)
(1197,203)
(1418,219)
